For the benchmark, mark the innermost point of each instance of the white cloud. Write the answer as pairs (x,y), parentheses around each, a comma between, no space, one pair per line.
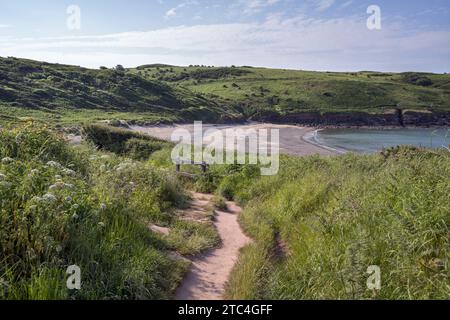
(299,42)
(346,4)
(324,4)
(171,13)
(255,6)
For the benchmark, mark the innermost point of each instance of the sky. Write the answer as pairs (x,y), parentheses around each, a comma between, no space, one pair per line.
(322,35)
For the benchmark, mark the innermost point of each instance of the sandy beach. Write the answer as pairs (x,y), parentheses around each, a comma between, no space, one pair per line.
(293,139)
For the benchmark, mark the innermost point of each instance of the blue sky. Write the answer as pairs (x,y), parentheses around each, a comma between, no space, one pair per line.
(297,34)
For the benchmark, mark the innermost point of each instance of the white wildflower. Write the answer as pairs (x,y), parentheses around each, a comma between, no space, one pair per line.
(58,177)
(54,164)
(5,184)
(101,224)
(38,199)
(75,216)
(7,160)
(69,186)
(57,185)
(34,172)
(49,197)
(2,177)
(69,172)
(103,206)
(59,249)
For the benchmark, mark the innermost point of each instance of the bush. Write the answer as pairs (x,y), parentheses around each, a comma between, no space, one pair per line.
(60,207)
(34,142)
(122,141)
(139,149)
(417,79)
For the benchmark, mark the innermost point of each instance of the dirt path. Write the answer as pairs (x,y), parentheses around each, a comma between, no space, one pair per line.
(209,272)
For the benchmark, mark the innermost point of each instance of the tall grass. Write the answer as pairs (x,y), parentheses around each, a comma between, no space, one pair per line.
(332,218)
(61,206)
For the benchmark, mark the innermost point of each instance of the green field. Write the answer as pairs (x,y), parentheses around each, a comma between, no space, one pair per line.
(70,95)
(65,94)
(255,90)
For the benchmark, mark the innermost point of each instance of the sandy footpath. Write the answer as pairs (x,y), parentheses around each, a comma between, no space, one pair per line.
(292,140)
(209,272)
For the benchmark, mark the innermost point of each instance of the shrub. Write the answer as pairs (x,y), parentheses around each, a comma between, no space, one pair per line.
(140,149)
(417,79)
(117,140)
(52,216)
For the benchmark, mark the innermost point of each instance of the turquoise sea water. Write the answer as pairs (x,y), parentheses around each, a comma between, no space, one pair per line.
(373,140)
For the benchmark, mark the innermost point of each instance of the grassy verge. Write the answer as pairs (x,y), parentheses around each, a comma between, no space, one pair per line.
(321,222)
(61,206)
(191,238)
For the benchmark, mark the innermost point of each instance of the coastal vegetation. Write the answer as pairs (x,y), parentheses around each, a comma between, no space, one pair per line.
(316,226)
(259,92)
(70,95)
(321,222)
(63,205)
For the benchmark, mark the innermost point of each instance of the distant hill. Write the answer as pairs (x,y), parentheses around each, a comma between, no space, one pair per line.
(305,96)
(39,86)
(163,93)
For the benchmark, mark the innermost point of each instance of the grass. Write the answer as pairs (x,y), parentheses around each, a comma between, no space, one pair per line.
(321,222)
(70,95)
(257,90)
(61,206)
(122,142)
(191,238)
(317,225)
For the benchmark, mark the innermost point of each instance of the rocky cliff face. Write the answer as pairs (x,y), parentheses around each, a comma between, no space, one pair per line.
(411,118)
(398,118)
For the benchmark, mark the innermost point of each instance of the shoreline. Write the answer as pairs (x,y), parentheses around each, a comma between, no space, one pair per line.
(291,142)
(310,137)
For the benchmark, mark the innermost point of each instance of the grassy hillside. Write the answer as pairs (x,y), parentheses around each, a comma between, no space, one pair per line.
(258,90)
(70,94)
(64,94)
(62,205)
(321,222)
